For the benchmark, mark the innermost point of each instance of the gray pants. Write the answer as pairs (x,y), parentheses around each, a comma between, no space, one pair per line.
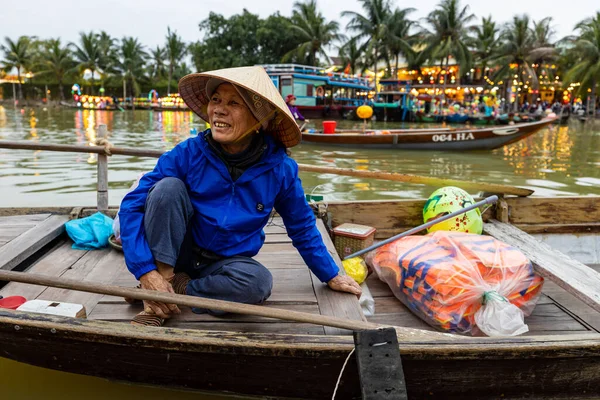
(167,215)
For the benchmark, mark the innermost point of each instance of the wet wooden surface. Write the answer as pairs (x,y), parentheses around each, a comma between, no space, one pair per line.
(295,287)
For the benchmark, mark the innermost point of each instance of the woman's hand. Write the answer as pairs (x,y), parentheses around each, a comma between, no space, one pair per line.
(153,280)
(343,283)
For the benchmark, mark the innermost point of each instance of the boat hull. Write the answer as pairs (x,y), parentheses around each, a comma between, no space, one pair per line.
(300,366)
(473,139)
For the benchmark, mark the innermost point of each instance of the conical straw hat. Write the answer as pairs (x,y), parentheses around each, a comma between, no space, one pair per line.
(282,126)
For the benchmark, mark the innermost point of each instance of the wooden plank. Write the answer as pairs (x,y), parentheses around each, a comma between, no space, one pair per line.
(251,327)
(55,263)
(31,220)
(13,253)
(19,211)
(332,303)
(12,231)
(125,312)
(379,214)
(280,260)
(559,210)
(547,317)
(589,227)
(574,277)
(279,248)
(98,266)
(289,285)
(277,238)
(575,307)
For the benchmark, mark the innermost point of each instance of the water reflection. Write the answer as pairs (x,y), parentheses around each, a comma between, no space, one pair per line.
(556,161)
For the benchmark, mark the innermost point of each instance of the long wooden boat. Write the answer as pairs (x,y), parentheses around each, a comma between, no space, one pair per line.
(431,139)
(558,358)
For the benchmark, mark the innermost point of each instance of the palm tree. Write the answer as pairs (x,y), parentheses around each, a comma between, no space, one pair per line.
(58,61)
(17,55)
(519,48)
(371,27)
(109,56)
(587,48)
(449,36)
(131,63)
(313,31)
(352,54)
(176,50)
(88,54)
(399,41)
(157,68)
(485,42)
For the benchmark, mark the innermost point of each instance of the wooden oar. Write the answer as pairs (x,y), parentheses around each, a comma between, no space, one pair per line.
(388,176)
(227,306)
(426,180)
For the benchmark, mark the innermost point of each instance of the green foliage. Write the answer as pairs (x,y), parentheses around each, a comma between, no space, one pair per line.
(18,54)
(449,34)
(380,33)
(485,42)
(131,63)
(372,28)
(56,60)
(586,56)
(314,33)
(176,50)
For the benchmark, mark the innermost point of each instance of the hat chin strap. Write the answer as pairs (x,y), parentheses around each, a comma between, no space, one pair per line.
(254,128)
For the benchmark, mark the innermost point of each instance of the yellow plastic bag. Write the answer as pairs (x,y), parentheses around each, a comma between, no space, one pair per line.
(356,268)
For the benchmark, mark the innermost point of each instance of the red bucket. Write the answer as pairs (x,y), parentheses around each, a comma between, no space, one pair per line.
(329,126)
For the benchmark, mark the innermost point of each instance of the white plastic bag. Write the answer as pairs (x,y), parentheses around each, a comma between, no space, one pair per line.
(116,223)
(498,317)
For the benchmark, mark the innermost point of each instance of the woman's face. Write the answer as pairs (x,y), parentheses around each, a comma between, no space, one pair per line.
(228,115)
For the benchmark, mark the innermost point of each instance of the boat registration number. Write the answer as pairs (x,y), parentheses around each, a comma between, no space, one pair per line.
(453,137)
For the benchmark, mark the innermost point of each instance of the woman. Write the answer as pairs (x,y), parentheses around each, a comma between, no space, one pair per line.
(194,222)
(290,100)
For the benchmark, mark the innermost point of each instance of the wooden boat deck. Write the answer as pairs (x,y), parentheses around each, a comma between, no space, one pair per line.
(295,287)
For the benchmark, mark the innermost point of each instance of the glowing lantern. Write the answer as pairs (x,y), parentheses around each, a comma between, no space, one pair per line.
(364,112)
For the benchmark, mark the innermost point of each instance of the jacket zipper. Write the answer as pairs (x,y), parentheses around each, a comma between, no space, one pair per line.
(228,205)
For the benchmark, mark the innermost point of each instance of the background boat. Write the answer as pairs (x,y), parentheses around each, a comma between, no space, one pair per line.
(431,139)
(319,92)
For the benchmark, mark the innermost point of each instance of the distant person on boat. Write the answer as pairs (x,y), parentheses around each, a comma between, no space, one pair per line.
(194,223)
(290,100)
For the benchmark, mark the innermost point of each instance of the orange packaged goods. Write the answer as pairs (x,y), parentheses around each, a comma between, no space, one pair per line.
(350,238)
(460,282)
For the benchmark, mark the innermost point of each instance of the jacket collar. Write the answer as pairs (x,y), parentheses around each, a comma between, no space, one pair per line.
(273,155)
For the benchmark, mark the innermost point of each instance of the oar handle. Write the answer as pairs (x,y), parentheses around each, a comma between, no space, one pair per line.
(487,200)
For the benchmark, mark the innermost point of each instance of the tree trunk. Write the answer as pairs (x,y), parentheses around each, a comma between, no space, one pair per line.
(375,67)
(517,88)
(19,79)
(92,87)
(445,83)
(592,108)
(132,95)
(61,91)
(170,77)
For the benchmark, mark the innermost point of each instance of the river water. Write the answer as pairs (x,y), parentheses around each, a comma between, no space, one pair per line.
(558,161)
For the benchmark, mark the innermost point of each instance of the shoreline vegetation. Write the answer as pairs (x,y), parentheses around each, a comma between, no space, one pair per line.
(451,46)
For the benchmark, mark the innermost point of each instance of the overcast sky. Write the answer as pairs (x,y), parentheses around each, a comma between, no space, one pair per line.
(148,19)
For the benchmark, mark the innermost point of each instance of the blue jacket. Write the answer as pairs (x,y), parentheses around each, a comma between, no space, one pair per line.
(229,217)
